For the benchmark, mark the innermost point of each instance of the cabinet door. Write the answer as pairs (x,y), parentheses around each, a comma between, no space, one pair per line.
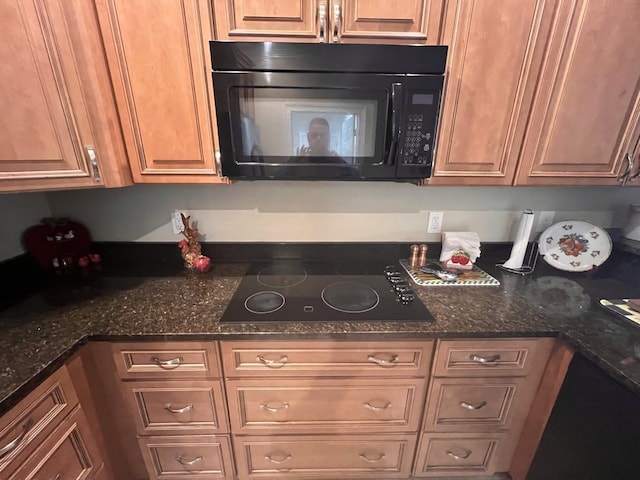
(70,452)
(586,113)
(490,55)
(160,67)
(45,126)
(267,20)
(34,419)
(386,21)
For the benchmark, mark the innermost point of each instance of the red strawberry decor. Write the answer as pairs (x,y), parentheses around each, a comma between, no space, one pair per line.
(461,257)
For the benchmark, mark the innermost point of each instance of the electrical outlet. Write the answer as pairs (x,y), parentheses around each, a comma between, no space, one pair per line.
(435,222)
(176,220)
(545,220)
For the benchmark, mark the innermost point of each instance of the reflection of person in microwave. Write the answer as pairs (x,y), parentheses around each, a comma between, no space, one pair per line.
(315,160)
(318,137)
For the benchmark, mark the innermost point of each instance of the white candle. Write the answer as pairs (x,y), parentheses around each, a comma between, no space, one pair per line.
(522,240)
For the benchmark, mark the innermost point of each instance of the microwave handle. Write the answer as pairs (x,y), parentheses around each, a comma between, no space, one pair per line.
(397,101)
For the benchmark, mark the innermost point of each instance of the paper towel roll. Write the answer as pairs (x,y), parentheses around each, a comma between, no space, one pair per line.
(522,240)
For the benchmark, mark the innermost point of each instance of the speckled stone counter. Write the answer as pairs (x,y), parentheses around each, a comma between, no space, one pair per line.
(36,337)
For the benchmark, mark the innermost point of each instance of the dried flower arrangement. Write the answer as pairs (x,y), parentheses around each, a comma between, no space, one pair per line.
(191,249)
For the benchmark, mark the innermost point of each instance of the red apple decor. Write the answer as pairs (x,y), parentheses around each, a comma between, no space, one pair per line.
(203,263)
(89,259)
(190,249)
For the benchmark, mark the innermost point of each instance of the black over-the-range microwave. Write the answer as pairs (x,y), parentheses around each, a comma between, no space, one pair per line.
(327,111)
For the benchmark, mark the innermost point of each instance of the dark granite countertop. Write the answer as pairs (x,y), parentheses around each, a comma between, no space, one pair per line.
(38,336)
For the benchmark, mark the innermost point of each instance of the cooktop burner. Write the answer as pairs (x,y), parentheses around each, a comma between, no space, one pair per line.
(298,291)
(282,275)
(350,297)
(264,302)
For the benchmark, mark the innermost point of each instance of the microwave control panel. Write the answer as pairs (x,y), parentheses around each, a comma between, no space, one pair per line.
(419,129)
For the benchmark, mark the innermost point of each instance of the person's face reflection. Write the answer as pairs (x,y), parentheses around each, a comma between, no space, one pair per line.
(318,137)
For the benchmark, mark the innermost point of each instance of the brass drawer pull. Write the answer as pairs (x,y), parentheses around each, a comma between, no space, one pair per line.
(382,362)
(283,457)
(376,409)
(15,443)
(484,360)
(184,409)
(167,364)
(283,406)
(462,456)
(468,406)
(379,457)
(273,363)
(188,463)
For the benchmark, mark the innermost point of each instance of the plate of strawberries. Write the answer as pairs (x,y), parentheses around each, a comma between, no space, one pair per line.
(575,246)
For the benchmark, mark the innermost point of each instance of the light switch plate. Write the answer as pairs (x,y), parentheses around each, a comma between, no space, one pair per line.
(435,222)
(176,220)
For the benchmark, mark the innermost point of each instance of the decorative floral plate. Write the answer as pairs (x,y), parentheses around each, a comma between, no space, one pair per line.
(574,246)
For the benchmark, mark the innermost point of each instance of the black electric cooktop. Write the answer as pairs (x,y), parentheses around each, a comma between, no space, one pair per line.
(299,291)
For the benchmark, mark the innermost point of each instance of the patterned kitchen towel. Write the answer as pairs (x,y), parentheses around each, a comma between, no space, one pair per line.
(475,276)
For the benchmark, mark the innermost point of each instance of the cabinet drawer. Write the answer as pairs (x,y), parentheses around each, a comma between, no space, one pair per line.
(34,418)
(69,452)
(491,358)
(451,455)
(187,456)
(389,405)
(323,358)
(477,404)
(344,456)
(195,407)
(166,360)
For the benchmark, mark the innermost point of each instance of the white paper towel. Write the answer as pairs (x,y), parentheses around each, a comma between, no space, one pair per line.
(522,240)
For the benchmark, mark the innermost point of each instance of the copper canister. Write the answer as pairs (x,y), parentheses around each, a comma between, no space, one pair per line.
(414,258)
(422,256)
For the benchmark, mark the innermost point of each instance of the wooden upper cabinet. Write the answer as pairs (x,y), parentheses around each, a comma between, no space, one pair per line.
(490,55)
(388,21)
(158,55)
(49,102)
(355,21)
(586,113)
(267,20)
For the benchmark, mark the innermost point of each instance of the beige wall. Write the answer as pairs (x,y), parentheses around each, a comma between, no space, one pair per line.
(265,211)
(18,211)
(306,211)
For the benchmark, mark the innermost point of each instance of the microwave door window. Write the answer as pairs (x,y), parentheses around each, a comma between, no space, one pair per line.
(307,133)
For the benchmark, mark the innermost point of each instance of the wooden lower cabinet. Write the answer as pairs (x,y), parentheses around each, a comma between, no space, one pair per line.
(173,403)
(478,403)
(312,409)
(325,409)
(69,452)
(321,456)
(34,419)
